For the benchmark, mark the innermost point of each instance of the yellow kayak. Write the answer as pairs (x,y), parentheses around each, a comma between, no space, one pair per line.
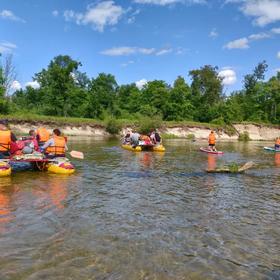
(130,148)
(157,148)
(5,169)
(60,166)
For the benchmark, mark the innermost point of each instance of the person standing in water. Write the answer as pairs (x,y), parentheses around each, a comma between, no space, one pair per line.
(277,143)
(212,141)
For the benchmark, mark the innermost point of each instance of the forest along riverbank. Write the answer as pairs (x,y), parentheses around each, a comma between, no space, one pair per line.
(255,132)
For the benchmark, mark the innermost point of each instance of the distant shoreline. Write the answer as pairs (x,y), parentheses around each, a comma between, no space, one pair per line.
(183,130)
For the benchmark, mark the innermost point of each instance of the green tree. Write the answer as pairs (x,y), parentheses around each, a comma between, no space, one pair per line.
(57,85)
(206,89)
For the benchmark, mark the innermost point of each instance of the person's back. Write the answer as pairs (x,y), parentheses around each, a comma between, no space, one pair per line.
(5,141)
(135,139)
(42,135)
(56,146)
(212,140)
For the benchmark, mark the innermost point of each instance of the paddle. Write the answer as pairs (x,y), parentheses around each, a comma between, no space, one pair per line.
(76,154)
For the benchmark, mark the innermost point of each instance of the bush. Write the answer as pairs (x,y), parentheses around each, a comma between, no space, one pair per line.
(113,126)
(244,136)
(191,137)
(230,130)
(147,124)
(233,168)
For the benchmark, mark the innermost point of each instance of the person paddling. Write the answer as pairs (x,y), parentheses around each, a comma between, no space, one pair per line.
(212,141)
(6,139)
(56,145)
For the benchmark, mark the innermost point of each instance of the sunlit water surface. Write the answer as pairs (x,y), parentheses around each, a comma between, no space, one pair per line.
(126,215)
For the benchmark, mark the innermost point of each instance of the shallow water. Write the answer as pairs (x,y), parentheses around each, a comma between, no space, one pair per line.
(126,215)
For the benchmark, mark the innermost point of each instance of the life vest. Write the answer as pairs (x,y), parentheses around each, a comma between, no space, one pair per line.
(277,142)
(43,134)
(5,140)
(212,139)
(59,146)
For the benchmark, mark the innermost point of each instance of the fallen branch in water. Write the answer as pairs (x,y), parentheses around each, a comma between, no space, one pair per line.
(234,168)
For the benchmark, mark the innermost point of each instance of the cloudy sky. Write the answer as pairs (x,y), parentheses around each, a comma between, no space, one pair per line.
(142,40)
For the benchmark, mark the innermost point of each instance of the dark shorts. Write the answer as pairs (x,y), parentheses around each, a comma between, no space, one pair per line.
(277,147)
(212,145)
(4,155)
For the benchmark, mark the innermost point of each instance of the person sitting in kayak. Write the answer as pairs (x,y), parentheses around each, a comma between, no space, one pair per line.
(145,140)
(6,139)
(134,138)
(56,145)
(277,143)
(155,137)
(42,136)
(212,141)
(29,144)
(126,140)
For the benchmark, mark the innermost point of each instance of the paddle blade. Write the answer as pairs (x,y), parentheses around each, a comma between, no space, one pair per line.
(76,154)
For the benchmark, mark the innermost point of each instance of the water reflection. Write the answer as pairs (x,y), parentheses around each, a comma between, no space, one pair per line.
(53,192)
(277,159)
(6,192)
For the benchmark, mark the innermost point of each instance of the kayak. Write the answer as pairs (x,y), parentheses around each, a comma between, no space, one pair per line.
(206,150)
(156,148)
(271,149)
(60,166)
(5,169)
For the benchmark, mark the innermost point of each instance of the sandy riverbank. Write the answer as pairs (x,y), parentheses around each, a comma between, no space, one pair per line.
(256,132)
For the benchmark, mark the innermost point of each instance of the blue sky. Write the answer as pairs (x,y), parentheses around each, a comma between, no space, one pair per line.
(143,40)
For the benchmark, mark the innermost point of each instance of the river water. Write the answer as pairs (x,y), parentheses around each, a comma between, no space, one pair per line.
(126,215)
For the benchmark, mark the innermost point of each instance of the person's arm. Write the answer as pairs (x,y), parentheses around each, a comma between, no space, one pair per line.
(48,143)
(13,137)
(66,147)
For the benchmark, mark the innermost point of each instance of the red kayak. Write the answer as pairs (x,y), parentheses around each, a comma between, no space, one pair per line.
(206,150)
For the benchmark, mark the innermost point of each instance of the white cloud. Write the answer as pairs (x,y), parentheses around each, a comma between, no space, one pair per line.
(263,11)
(141,83)
(7,14)
(275,30)
(127,63)
(164,51)
(242,43)
(259,36)
(228,75)
(277,70)
(15,86)
(120,51)
(278,55)
(213,33)
(169,2)
(132,16)
(55,13)
(33,84)
(98,16)
(7,47)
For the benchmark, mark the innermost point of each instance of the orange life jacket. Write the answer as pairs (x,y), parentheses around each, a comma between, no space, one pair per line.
(59,146)
(5,140)
(212,139)
(43,134)
(277,142)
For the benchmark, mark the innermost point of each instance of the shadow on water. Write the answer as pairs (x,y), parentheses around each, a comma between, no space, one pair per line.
(126,215)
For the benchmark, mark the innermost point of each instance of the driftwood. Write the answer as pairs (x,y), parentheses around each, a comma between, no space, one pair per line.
(239,169)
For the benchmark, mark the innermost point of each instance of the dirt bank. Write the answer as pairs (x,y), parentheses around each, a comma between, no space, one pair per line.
(255,131)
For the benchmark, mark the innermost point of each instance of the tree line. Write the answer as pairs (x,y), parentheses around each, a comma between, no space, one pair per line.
(66,91)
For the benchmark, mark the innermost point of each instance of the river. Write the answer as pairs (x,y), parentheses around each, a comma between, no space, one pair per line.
(126,215)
